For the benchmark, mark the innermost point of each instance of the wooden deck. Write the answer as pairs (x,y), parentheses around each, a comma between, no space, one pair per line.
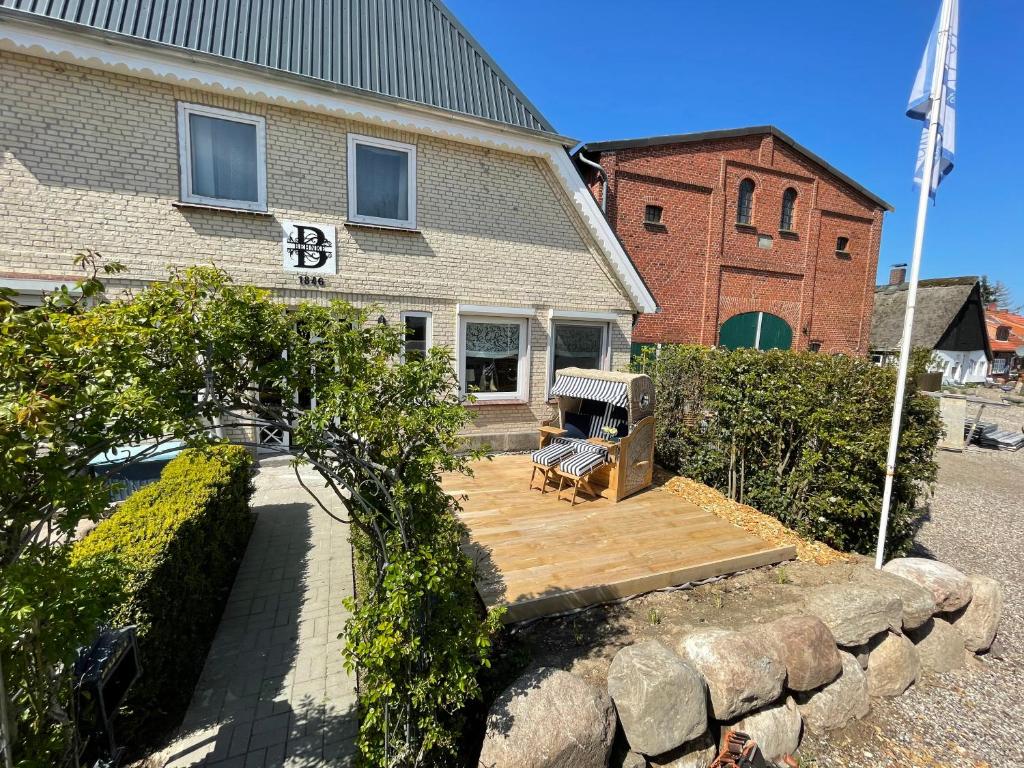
(539,556)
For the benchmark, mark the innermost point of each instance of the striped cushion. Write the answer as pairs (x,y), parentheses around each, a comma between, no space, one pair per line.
(583,461)
(553,453)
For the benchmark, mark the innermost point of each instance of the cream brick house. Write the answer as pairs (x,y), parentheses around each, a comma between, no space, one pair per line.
(370,151)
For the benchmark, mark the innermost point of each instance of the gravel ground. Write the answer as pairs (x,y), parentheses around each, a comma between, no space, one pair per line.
(972,717)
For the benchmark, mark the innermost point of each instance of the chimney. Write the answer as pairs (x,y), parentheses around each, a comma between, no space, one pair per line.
(898,274)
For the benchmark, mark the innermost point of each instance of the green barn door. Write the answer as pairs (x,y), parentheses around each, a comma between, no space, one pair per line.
(739,331)
(757,330)
(775,333)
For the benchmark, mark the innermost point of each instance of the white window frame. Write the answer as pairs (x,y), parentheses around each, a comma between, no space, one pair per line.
(557,320)
(430,326)
(185,109)
(354,140)
(30,292)
(485,314)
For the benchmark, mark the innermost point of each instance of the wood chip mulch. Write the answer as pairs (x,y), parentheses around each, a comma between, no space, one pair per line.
(749,519)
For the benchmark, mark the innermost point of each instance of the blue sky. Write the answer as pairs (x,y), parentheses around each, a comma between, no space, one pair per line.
(834,76)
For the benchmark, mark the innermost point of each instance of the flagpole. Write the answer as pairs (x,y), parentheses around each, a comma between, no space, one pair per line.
(937,94)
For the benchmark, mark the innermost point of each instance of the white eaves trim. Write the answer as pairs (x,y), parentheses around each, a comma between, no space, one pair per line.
(191,71)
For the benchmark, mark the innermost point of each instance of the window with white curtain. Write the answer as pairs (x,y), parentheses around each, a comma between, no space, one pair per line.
(577,344)
(381,182)
(493,357)
(223,157)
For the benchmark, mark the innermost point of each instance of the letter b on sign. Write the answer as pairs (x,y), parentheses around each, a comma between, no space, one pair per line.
(309,248)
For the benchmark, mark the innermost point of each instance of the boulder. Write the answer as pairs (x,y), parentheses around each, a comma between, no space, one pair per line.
(807,648)
(979,621)
(918,603)
(776,729)
(632,760)
(660,699)
(940,646)
(950,588)
(549,718)
(854,613)
(893,666)
(861,652)
(741,671)
(699,753)
(839,702)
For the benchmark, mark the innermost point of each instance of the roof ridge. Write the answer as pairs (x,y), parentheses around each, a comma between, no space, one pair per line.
(931,282)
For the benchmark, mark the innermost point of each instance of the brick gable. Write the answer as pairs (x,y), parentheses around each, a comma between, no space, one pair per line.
(703,268)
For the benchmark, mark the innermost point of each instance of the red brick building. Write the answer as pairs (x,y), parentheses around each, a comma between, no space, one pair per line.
(744,226)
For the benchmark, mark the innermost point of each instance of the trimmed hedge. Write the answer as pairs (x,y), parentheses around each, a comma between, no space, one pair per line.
(800,436)
(175,546)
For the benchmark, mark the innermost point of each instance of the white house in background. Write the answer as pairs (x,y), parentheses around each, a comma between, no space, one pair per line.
(949,320)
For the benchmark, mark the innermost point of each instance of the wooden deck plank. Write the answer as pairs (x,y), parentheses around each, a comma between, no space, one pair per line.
(538,555)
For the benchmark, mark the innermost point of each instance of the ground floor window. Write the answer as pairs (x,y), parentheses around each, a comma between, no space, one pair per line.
(417,334)
(493,357)
(578,344)
(756,330)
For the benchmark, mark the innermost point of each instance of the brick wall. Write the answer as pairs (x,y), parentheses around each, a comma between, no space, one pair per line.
(90,160)
(703,268)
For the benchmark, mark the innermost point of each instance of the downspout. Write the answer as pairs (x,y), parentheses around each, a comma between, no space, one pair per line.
(604,177)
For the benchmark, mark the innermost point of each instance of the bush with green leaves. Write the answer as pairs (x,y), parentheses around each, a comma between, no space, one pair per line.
(198,356)
(174,547)
(379,431)
(800,436)
(47,611)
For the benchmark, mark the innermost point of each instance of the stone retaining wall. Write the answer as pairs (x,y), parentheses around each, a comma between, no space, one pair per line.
(817,667)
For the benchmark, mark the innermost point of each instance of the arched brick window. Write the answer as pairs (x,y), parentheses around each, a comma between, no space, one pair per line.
(745,202)
(786,219)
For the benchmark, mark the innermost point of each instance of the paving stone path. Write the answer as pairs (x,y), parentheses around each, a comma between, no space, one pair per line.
(274,691)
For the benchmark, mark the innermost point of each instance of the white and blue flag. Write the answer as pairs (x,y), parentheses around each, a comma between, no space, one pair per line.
(920,106)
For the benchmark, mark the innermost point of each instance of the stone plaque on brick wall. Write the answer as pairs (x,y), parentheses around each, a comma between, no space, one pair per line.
(309,248)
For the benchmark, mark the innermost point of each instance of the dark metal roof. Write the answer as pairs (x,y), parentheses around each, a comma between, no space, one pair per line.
(732,133)
(414,50)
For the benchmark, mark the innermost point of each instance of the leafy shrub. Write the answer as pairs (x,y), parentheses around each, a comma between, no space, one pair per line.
(800,436)
(175,546)
(47,611)
(420,669)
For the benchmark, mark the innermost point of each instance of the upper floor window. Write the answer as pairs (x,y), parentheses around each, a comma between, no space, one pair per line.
(652,214)
(381,182)
(745,202)
(842,246)
(1003,333)
(223,157)
(788,209)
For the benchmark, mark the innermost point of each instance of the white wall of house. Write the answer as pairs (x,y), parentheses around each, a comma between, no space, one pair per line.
(962,367)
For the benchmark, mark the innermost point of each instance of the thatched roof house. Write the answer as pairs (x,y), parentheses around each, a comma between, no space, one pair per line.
(949,319)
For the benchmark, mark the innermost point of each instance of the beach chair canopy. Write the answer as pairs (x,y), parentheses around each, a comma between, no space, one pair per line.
(632,391)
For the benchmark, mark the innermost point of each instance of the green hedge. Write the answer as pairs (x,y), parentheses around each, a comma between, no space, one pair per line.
(175,546)
(798,435)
